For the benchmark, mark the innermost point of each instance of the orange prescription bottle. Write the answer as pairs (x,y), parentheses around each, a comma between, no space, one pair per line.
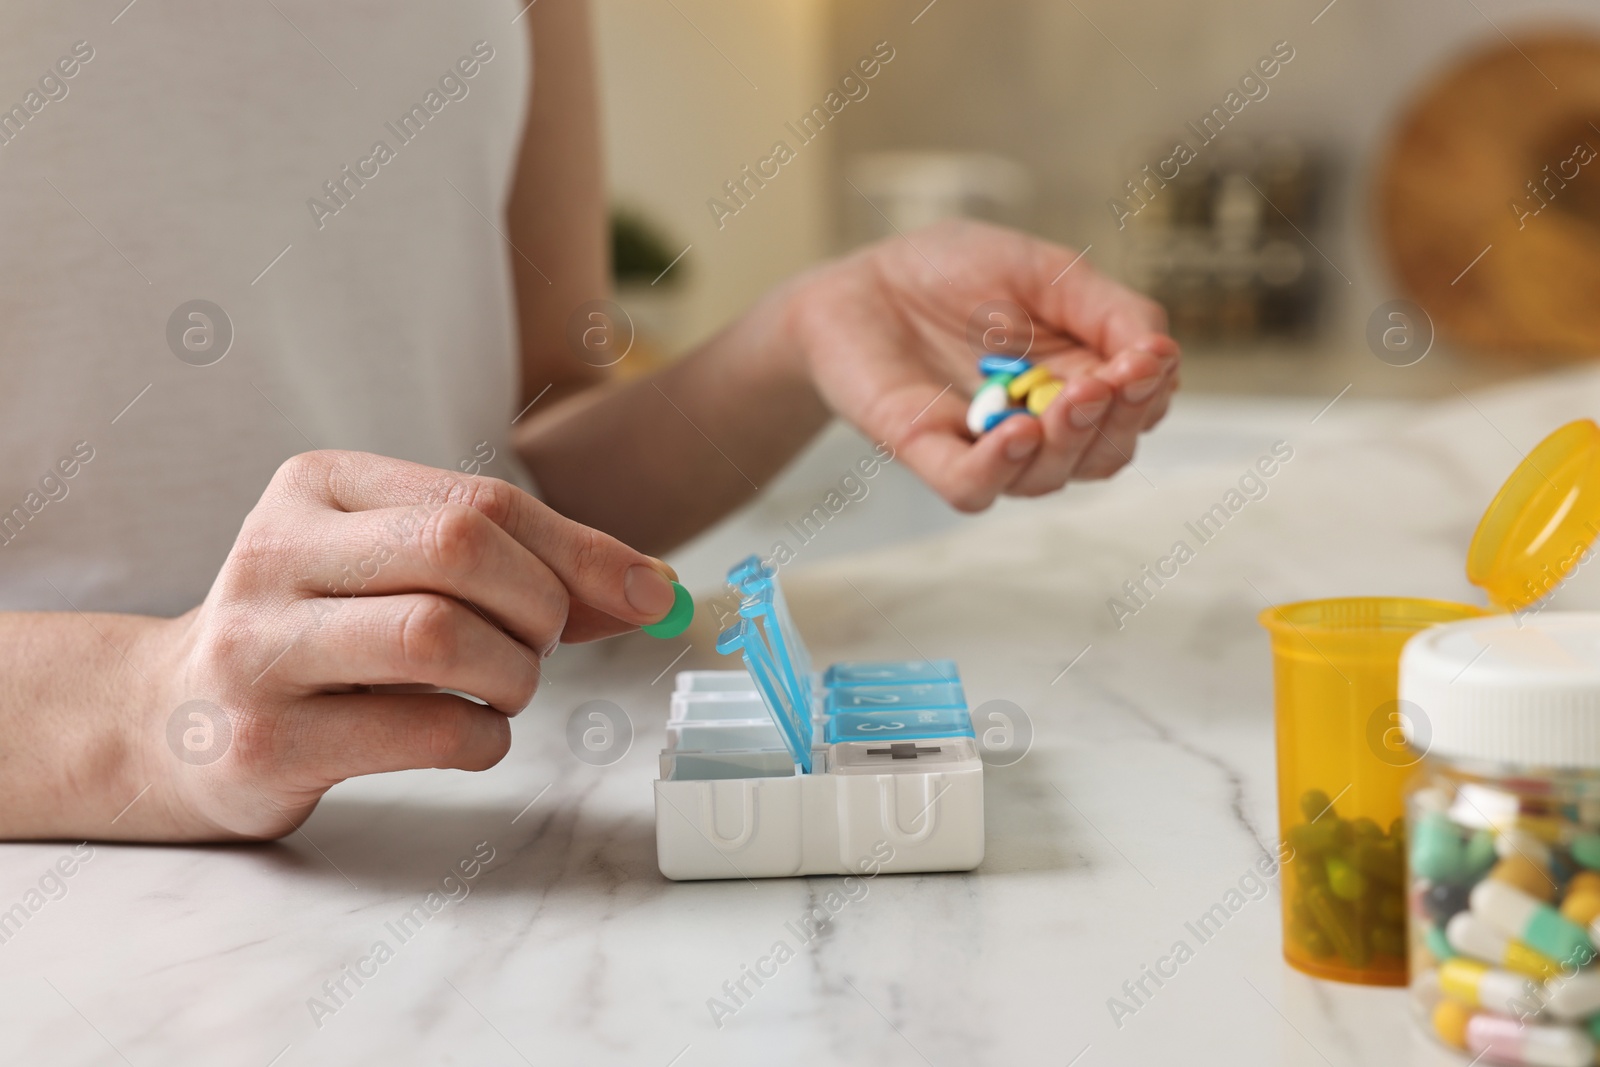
(1342,731)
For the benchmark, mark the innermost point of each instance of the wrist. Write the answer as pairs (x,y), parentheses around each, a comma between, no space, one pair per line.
(778,327)
(822,321)
(152,783)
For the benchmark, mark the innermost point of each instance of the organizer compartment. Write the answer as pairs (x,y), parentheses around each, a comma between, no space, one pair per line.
(711,681)
(889,726)
(896,672)
(724,736)
(895,697)
(718,706)
(687,766)
(776,771)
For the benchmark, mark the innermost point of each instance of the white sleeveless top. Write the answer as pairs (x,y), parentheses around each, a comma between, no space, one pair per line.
(179,152)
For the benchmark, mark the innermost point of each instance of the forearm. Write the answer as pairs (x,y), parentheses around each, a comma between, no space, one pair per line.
(75,694)
(651,462)
(658,459)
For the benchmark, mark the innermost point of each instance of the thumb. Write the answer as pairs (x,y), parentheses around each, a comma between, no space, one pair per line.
(598,570)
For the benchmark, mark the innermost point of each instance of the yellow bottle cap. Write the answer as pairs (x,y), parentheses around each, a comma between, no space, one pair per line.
(1542,521)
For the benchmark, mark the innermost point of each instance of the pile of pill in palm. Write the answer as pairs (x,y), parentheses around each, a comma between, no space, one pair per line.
(1505,915)
(1011,386)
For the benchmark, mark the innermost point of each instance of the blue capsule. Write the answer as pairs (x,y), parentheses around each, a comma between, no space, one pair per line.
(995,363)
(998,417)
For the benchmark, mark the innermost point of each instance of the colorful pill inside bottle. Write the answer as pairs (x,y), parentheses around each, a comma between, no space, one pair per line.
(1502,816)
(1474,937)
(1534,923)
(1481,986)
(1498,1039)
(1346,908)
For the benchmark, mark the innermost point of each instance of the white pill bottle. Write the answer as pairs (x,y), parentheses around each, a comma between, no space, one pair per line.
(1503,835)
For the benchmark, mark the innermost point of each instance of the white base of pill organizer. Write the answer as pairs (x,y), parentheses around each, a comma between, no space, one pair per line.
(822,823)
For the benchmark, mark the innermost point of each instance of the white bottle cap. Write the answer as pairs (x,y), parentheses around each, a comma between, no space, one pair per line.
(1506,689)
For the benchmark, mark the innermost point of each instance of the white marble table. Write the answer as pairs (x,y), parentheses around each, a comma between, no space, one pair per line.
(1147,794)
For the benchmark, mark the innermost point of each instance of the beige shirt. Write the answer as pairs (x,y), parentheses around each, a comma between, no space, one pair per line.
(323,173)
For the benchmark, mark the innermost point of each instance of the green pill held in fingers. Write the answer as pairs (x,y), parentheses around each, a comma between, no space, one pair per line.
(677,619)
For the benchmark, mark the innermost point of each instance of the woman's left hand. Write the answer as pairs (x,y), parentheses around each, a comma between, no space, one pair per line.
(885,334)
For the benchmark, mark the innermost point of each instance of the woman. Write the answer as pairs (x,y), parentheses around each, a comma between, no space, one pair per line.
(390,227)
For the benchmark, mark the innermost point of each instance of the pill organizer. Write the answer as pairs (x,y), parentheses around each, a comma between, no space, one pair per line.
(777,770)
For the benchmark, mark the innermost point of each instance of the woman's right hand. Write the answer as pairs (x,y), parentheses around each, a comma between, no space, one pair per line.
(356,571)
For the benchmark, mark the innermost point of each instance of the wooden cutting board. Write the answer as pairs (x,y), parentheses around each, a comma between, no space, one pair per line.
(1454,181)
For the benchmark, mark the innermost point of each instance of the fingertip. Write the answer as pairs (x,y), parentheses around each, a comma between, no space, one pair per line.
(1084,415)
(1131,365)
(1159,345)
(649,593)
(677,619)
(458,734)
(1057,419)
(991,463)
(1020,437)
(490,745)
(1083,389)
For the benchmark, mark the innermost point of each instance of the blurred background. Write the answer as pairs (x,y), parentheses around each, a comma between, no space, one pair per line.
(1384,159)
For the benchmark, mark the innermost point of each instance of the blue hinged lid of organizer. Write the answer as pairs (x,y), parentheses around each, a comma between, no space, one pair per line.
(773,653)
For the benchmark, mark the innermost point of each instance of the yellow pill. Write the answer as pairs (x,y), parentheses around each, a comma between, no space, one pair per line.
(1450,1023)
(1460,977)
(1582,907)
(1039,396)
(1019,386)
(1522,872)
(1531,962)
(1584,882)
(1547,828)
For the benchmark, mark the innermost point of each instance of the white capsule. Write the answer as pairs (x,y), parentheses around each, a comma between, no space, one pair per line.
(1431,799)
(1472,982)
(1575,997)
(1471,936)
(1511,1041)
(1589,811)
(1512,842)
(990,399)
(1503,906)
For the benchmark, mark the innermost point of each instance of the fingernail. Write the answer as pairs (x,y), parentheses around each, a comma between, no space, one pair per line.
(648,592)
(1142,389)
(1086,415)
(665,568)
(550,649)
(1021,448)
